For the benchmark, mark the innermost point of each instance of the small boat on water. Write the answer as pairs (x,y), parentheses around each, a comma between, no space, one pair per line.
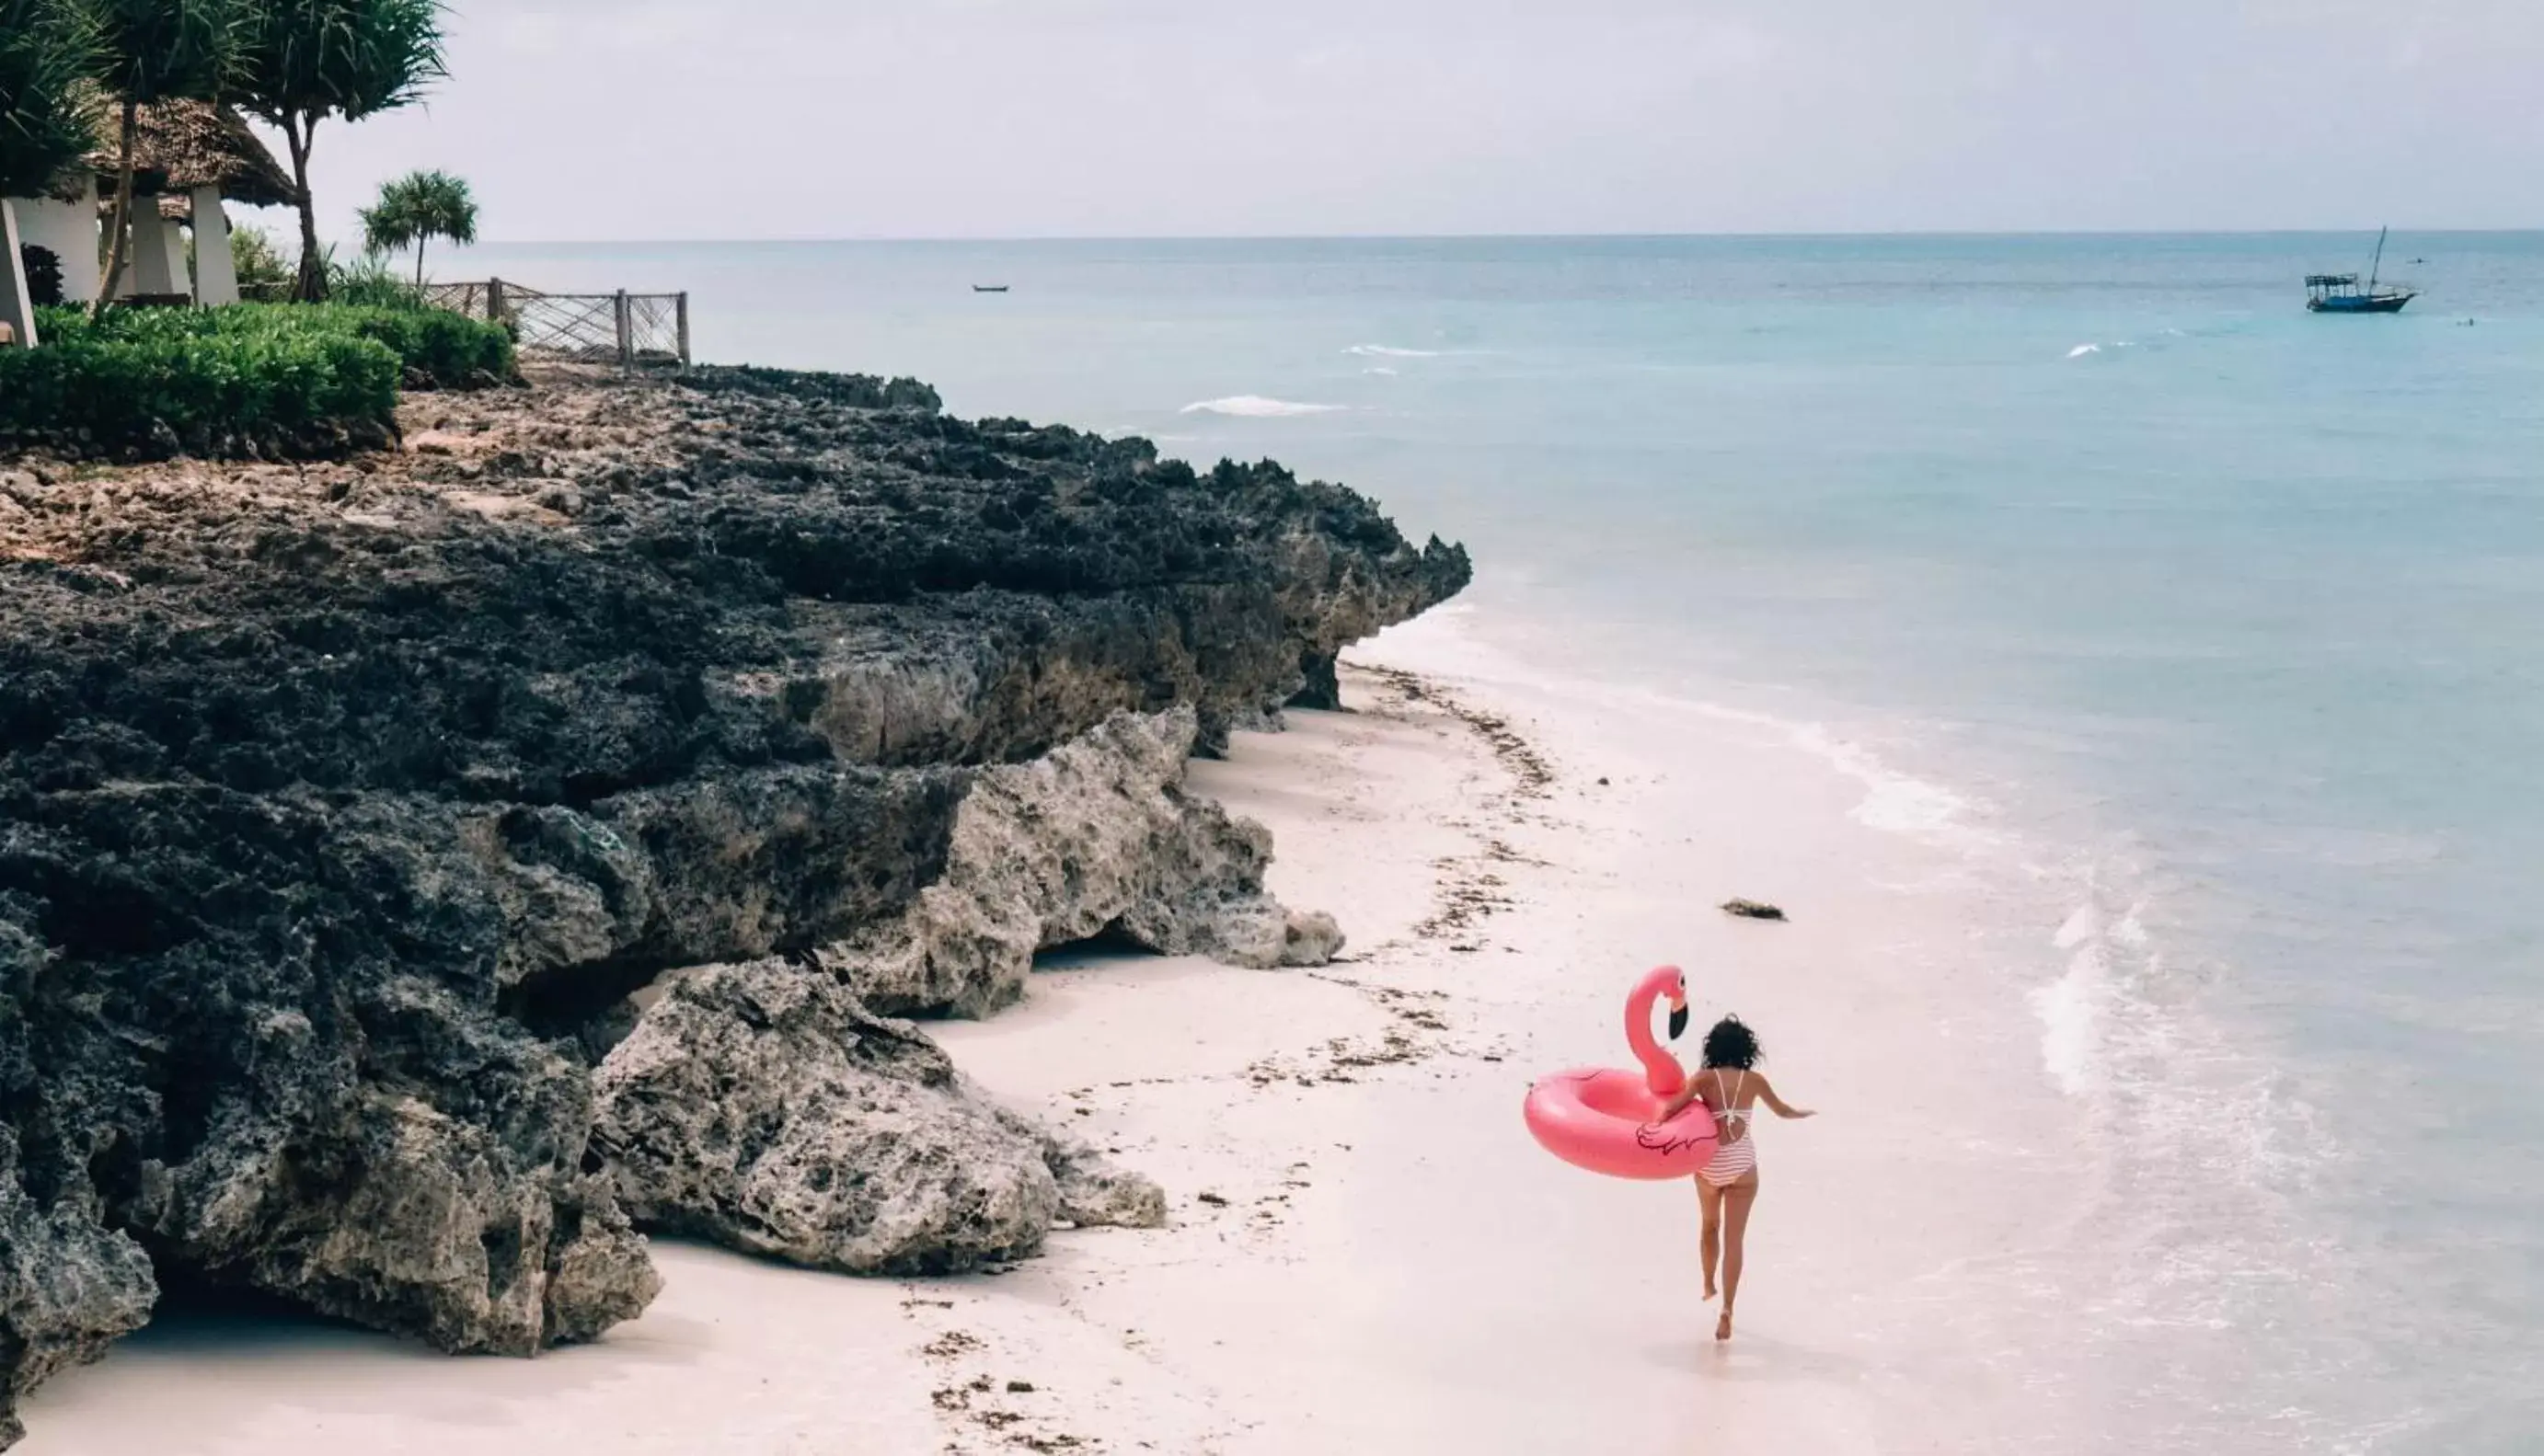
(2342,293)
(989,287)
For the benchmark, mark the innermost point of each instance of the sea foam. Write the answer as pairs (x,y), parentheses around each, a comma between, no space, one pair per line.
(2072,1007)
(1257,407)
(1895,802)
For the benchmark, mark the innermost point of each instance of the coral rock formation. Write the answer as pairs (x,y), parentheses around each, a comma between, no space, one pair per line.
(67,1289)
(760,1105)
(1096,838)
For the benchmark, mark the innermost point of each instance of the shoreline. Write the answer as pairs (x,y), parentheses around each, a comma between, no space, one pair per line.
(1363,1248)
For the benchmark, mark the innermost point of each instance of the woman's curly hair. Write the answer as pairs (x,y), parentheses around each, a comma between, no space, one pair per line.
(1732,1044)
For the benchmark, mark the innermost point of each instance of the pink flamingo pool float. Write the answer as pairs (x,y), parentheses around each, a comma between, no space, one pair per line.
(1607,1119)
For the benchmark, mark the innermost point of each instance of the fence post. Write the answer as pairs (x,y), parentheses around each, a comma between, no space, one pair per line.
(684,328)
(494,301)
(626,336)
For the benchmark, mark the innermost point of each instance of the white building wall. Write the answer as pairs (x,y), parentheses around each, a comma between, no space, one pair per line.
(71,231)
(215,271)
(17,310)
(158,252)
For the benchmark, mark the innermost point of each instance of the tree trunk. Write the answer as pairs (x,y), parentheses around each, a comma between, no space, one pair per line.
(121,217)
(419,265)
(310,286)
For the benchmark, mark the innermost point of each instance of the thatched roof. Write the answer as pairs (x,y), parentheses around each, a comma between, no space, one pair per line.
(182,145)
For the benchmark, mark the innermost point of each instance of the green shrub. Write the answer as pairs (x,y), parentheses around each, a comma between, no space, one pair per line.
(435,348)
(440,349)
(289,379)
(368,283)
(43,274)
(264,274)
(156,388)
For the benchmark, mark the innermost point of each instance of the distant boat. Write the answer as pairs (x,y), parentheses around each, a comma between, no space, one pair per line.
(2342,293)
(989,287)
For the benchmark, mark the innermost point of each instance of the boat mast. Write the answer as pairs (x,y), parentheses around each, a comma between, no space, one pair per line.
(2379,263)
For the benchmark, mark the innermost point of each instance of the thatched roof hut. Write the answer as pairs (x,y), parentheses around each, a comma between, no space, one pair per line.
(189,159)
(182,145)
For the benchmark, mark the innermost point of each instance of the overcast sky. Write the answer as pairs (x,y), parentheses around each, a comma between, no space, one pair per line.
(588,119)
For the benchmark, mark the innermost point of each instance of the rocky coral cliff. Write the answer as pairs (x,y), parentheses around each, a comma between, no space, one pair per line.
(342,807)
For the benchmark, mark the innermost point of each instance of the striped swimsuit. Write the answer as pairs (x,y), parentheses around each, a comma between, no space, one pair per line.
(1731,1160)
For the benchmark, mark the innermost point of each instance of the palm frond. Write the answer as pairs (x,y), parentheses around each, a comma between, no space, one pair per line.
(350,58)
(155,51)
(48,49)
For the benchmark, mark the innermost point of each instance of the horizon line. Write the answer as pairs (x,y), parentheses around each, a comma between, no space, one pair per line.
(1489,237)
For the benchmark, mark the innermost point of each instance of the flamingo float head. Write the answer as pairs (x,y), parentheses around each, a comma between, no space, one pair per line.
(1661,1071)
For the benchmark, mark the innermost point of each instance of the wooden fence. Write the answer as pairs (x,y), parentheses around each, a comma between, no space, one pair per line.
(633,331)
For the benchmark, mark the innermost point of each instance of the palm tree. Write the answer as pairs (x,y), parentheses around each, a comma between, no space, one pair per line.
(46,50)
(308,60)
(418,207)
(155,51)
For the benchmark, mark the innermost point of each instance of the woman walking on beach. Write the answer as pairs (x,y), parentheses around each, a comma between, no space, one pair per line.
(1730,1087)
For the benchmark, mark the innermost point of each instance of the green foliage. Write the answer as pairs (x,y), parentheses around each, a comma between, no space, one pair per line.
(435,349)
(155,51)
(289,378)
(156,381)
(309,60)
(46,48)
(418,208)
(347,58)
(43,274)
(262,275)
(367,281)
(439,348)
(370,282)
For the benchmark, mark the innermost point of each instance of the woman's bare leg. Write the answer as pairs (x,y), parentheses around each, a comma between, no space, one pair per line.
(1737,1201)
(1710,1197)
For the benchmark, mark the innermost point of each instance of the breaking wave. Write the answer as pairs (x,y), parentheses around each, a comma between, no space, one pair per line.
(1257,407)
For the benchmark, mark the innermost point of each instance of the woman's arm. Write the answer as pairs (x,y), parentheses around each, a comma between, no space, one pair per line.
(1767,1095)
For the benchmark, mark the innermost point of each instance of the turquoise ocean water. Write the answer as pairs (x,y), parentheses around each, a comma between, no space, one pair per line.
(2229,620)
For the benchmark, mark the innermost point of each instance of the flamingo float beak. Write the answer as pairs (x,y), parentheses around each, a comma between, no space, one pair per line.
(1678,1012)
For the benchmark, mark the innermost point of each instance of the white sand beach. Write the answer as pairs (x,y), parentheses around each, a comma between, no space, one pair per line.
(1366,1251)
